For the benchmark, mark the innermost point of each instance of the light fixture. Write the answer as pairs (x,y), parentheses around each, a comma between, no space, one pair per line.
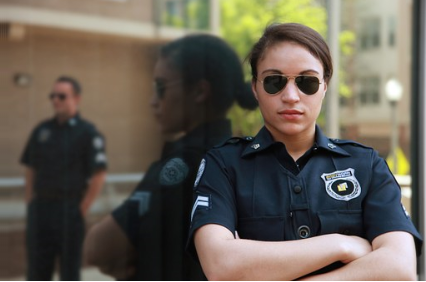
(393,90)
(22,79)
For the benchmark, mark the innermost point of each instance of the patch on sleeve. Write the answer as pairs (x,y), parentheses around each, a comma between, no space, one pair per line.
(342,185)
(200,172)
(98,142)
(100,158)
(202,202)
(173,172)
(143,200)
(407,215)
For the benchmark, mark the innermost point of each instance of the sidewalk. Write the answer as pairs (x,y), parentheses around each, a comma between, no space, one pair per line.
(12,232)
(87,274)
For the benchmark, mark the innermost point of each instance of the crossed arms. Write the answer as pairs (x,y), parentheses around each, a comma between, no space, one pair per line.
(391,256)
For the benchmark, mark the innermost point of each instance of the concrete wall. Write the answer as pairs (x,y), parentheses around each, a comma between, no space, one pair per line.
(116,76)
(133,10)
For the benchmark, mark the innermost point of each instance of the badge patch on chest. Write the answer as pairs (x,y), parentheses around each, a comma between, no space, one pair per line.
(44,135)
(342,185)
(173,172)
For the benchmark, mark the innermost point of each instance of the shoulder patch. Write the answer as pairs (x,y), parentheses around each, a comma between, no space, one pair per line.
(98,142)
(100,158)
(203,201)
(173,172)
(200,172)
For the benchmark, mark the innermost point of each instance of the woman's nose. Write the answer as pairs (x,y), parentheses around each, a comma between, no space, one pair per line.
(154,101)
(290,93)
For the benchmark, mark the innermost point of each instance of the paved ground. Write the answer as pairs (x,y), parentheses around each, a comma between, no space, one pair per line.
(88,274)
(12,231)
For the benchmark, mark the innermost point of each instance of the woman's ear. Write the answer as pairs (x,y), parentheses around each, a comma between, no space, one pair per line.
(325,89)
(202,91)
(253,88)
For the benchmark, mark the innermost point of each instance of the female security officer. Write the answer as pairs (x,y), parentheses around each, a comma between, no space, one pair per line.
(256,197)
(197,78)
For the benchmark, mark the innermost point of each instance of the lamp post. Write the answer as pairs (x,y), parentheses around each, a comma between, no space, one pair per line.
(393,91)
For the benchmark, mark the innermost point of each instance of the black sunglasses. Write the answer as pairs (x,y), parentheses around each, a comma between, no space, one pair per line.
(160,87)
(60,96)
(274,83)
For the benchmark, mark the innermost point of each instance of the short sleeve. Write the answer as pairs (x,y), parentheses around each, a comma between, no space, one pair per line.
(383,211)
(214,197)
(97,158)
(28,155)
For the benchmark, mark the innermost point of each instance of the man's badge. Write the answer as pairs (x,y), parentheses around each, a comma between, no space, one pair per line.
(342,185)
(173,172)
(43,135)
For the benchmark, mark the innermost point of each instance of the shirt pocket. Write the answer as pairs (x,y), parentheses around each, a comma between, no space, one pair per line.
(261,228)
(347,222)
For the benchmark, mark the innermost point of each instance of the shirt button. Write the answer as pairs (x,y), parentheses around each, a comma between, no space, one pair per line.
(297,189)
(303,232)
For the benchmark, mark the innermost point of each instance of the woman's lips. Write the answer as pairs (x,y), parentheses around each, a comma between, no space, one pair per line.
(291,114)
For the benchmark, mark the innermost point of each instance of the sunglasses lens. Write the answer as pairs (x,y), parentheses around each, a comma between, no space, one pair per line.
(274,83)
(159,90)
(308,84)
(60,96)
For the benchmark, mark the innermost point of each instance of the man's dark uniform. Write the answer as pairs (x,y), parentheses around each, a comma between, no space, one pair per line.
(156,216)
(63,157)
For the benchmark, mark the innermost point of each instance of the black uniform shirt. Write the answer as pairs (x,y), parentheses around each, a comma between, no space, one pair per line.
(155,217)
(251,185)
(64,157)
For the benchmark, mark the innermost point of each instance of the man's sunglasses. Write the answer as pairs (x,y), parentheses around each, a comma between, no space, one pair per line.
(274,83)
(60,96)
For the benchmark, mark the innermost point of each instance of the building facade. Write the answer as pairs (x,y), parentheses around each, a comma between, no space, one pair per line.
(110,46)
(382,51)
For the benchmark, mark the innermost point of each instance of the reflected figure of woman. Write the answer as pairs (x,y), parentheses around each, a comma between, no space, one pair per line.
(196,79)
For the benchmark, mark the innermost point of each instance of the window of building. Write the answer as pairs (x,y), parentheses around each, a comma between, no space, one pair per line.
(392,31)
(370,34)
(369,90)
(192,14)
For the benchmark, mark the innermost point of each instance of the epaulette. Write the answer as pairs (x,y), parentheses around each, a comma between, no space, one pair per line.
(348,142)
(235,140)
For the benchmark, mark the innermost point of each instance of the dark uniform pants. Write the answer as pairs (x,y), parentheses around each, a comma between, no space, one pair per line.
(55,229)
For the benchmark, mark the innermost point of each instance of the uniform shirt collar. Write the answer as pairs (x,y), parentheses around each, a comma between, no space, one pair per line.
(263,140)
(74,120)
(202,137)
(70,122)
(325,143)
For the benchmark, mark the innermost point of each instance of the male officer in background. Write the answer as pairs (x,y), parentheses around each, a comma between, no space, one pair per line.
(65,170)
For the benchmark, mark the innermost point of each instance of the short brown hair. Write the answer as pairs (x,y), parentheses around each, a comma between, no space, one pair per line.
(297,33)
(74,83)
